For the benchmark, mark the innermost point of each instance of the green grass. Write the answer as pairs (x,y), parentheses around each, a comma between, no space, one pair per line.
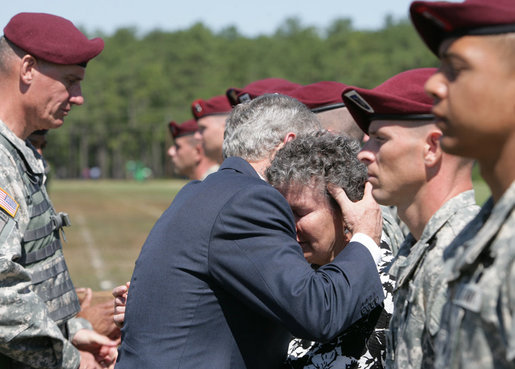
(111,220)
(480,187)
(482,191)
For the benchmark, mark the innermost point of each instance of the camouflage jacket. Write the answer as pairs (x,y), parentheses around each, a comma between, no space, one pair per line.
(418,295)
(393,232)
(478,326)
(27,333)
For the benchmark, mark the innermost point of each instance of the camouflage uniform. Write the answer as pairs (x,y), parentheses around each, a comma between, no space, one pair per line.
(393,231)
(37,298)
(478,326)
(418,295)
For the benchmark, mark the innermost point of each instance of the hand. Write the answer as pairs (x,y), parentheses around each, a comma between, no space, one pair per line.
(363,216)
(87,361)
(99,315)
(120,294)
(102,348)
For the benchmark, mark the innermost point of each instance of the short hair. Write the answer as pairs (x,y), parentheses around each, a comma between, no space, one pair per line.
(255,128)
(319,159)
(7,53)
(340,121)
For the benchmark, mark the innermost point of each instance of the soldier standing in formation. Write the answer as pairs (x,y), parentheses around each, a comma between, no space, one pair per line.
(432,191)
(474,100)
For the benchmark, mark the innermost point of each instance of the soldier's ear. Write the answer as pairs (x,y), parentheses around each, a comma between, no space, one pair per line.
(432,148)
(27,69)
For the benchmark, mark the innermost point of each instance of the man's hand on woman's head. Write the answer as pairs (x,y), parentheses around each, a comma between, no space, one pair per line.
(363,216)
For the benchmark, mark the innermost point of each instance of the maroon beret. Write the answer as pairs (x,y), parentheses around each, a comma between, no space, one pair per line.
(320,96)
(436,21)
(214,106)
(186,128)
(401,97)
(52,38)
(260,87)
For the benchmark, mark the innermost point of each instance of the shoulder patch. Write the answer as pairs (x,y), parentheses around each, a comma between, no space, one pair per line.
(8,203)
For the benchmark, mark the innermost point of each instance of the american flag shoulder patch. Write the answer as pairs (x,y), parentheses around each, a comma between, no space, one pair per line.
(8,203)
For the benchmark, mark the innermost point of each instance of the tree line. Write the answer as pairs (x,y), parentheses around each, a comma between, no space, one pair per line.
(141,82)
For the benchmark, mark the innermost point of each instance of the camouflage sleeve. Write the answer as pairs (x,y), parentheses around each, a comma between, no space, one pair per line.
(76,324)
(27,334)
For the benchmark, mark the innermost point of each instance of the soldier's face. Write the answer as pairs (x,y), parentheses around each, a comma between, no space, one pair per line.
(211,132)
(394,156)
(474,96)
(184,154)
(55,88)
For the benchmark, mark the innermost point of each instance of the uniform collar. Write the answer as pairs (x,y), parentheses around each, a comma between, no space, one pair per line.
(23,148)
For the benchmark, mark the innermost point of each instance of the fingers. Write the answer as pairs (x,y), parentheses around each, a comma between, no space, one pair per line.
(88,361)
(105,308)
(119,291)
(339,195)
(108,359)
(363,216)
(119,315)
(120,299)
(367,195)
(100,339)
(84,339)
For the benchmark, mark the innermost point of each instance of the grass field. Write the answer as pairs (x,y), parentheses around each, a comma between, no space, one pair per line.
(110,222)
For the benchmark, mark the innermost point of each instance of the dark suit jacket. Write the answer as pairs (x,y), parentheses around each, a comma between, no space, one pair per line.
(221,281)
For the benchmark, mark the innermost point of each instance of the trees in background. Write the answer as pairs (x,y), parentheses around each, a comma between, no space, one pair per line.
(139,83)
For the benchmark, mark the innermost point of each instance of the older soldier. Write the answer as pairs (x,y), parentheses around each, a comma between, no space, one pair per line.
(433,194)
(474,95)
(211,115)
(42,63)
(187,153)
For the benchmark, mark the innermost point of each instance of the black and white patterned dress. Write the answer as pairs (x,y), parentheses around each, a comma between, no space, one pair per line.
(361,346)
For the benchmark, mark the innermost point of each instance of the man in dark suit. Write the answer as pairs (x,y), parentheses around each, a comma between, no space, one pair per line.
(221,281)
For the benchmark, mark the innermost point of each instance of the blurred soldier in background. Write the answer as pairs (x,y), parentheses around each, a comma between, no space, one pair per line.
(187,153)
(325,100)
(211,115)
(260,87)
(38,140)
